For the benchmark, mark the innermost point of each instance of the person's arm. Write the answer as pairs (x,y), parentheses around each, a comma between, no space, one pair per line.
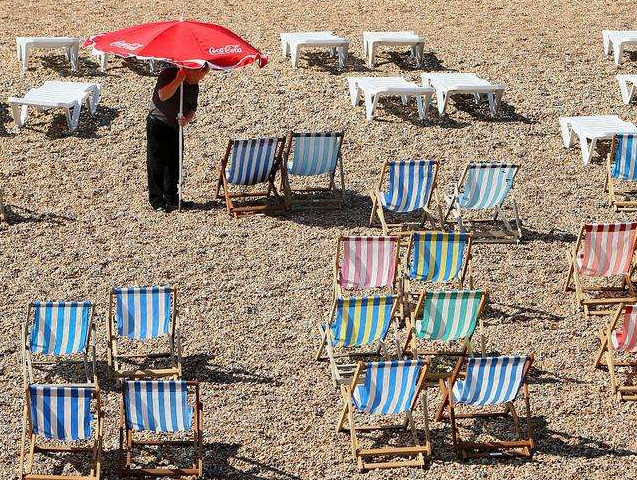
(169,89)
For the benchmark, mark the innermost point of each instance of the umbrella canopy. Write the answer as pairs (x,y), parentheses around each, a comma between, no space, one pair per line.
(186,43)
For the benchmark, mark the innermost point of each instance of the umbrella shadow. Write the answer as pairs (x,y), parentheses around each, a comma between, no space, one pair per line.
(87,125)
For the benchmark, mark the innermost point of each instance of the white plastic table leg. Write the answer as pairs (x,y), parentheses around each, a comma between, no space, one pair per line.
(370,102)
(441,100)
(18,46)
(25,57)
(606,40)
(567,133)
(618,52)
(342,56)
(627,93)
(103,62)
(422,111)
(74,54)
(491,98)
(19,113)
(294,53)
(587,149)
(371,52)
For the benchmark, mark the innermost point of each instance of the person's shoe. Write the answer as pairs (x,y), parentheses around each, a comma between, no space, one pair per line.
(185,205)
(160,207)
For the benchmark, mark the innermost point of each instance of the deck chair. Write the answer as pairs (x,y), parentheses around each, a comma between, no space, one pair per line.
(365,263)
(310,155)
(608,251)
(247,163)
(622,166)
(59,418)
(139,314)
(59,330)
(486,186)
(356,323)
(383,389)
(412,186)
(160,407)
(622,341)
(490,382)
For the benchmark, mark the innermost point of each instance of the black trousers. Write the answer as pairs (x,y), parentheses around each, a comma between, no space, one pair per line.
(162,162)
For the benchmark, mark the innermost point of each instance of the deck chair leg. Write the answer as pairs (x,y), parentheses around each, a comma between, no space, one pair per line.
(602,350)
(321,348)
(23,442)
(516,419)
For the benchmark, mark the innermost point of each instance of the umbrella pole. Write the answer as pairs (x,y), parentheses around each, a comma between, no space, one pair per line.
(181,143)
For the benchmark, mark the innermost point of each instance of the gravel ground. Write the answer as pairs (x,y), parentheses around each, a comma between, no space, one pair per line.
(253,289)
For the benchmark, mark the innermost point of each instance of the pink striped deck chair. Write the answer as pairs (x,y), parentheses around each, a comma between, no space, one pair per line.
(607,250)
(623,342)
(365,262)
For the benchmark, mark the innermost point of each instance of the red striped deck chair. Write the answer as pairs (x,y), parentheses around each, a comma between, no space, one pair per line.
(622,167)
(607,253)
(365,263)
(620,342)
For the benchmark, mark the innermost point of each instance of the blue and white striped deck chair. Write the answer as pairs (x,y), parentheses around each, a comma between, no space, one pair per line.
(622,166)
(357,322)
(142,314)
(161,407)
(486,186)
(490,382)
(384,389)
(315,154)
(248,163)
(411,187)
(61,414)
(59,329)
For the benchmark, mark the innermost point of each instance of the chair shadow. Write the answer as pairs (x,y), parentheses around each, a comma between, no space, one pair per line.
(519,314)
(552,236)
(355,213)
(87,125)
(409,113)
(141,67)
(324,61)
(16,215)
(5,117)
(505,114)
(199,366)
(217,458)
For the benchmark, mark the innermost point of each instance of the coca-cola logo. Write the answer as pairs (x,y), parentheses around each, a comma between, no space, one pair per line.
(127,46)
(225,49)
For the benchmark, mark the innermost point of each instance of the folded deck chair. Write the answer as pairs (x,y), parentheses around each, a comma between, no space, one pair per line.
(608,250)
(490,382)
(247,163)
(57,419)
(62,330)
(69,96)
(142,314)
(447,85)
(293,42)
(616,41)
(312,155)
(386,389)
(70,45)
(486,186)
(622,166)
(627,87)
(372,40)
(592,129)
(365,262)
(372,89)
(411,186)
(158,413)
(619,342)
(356,324)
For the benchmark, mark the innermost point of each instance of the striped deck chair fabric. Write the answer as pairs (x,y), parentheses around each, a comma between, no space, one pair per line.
(314,153)
(143,312)
(252,161)
(368,262)
(361,321)
(608,249)
(625,340)
(490,380)
(389,387)
(410,185)
(60,328)
(158,406)
(449,314)
(60,413)
(437,256)
(625,158)
(486,185)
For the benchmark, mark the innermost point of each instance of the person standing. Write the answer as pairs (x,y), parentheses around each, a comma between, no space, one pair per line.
(162,133)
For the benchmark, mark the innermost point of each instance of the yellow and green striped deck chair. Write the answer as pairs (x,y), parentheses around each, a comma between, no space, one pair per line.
(356,323)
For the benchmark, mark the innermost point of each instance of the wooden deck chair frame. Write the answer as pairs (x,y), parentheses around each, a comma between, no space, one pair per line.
(378,211)
(115,358)
(338,198)
(3,210)
(127,442)
(27,357)
(422,452)
(506,234)
(605,356)
(617,198)
(283,203)
(342,373)
(338,290)
(596,306)
(517,448)
(26,462)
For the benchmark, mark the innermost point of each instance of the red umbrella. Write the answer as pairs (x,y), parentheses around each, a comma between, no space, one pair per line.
(185,43)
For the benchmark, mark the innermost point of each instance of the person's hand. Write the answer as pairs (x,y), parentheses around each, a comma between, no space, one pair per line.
(181,75)
(182,121)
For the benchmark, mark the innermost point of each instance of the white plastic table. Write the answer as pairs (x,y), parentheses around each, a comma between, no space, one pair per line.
(372,40)
(293,42)
(616,40)
(71,46)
